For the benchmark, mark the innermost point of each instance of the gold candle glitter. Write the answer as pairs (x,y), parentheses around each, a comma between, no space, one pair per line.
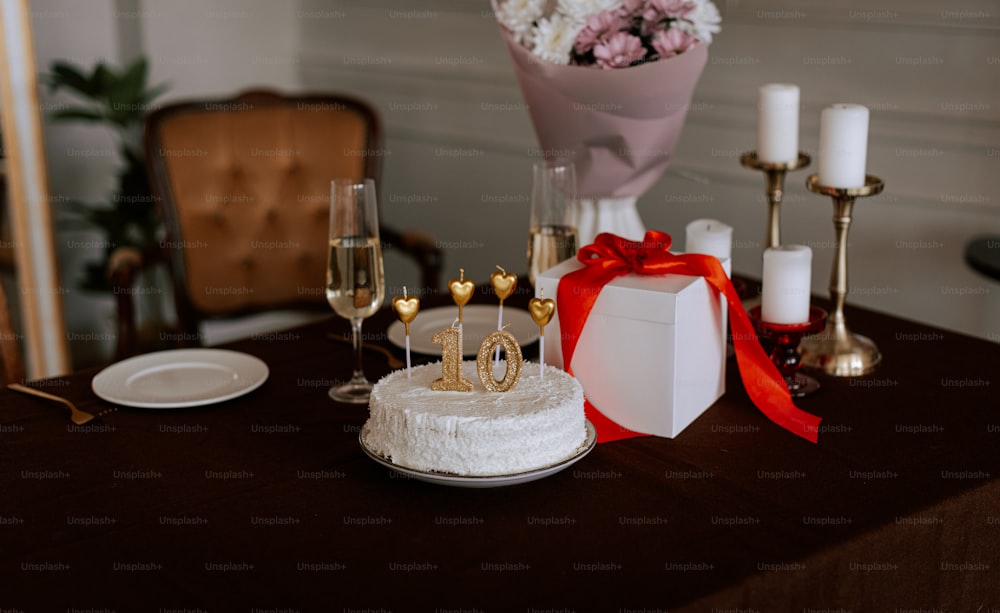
(514,359)
(451,379)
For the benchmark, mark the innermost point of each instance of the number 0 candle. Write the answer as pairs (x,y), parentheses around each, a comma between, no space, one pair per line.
(778,123)
(785,286)
(843,145)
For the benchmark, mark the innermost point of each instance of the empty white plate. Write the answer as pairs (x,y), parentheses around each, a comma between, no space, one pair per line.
(478,321)
(180,378)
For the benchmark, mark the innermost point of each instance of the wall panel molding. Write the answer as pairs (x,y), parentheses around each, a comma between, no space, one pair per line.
(928,77)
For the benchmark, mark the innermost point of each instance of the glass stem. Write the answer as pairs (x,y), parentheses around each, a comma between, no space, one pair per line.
(359,375)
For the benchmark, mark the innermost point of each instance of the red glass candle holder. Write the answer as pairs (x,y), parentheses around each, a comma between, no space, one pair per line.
(785,353)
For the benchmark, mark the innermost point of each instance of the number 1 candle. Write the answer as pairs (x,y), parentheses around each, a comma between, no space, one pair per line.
(451,379)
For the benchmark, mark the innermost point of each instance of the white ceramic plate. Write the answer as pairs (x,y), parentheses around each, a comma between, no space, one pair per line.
(478,321)
(494,481)
(180,378)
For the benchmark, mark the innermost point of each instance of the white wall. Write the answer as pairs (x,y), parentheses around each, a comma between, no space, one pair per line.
(211,48)
(460,142)
(460,145)
(82,163)
(218,47)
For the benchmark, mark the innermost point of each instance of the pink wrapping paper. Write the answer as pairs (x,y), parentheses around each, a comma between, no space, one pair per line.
(620,127)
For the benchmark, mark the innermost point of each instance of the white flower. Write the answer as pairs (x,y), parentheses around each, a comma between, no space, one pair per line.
(579,10)
(519,15)
(554,37)
(703,22)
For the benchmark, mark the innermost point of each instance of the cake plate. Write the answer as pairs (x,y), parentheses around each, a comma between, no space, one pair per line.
(493,480)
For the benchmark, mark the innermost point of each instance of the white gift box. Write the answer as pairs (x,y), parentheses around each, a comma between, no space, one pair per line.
(652,353)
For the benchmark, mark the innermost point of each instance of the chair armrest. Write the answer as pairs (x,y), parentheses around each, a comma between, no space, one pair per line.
(422,247)
(123,267)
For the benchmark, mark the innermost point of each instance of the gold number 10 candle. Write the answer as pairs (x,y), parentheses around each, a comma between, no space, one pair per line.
(451,379)
(484,368)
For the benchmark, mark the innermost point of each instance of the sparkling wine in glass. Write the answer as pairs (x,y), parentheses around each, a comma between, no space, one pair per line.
(549,245)
(553,230)
(355,284)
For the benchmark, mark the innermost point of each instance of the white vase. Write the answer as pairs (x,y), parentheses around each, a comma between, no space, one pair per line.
(616,215)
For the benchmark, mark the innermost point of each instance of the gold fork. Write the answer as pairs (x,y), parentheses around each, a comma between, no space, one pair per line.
(78,417)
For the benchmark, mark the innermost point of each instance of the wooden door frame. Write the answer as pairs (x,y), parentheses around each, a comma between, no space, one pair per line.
(41,294)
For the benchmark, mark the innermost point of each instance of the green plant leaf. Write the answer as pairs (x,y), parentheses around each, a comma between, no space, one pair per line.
(133,80)
(77,114)
(102,80)
(67,75)
(120,99)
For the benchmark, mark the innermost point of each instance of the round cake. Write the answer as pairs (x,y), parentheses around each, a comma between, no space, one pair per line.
(537,423)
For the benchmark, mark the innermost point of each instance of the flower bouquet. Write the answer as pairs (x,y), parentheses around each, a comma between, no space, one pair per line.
(608,84)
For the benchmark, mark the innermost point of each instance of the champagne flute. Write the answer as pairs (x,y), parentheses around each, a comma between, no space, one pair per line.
(355,286)
(553,229)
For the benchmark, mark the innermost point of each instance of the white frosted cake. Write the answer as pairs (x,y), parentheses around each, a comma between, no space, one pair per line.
(539,422)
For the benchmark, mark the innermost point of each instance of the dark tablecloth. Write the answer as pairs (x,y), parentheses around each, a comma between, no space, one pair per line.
(267,503)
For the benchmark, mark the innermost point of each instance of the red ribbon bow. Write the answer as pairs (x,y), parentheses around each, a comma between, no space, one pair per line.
(611,256)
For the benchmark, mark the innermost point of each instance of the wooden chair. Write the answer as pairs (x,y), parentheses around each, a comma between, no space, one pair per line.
(243,186)
(11,363)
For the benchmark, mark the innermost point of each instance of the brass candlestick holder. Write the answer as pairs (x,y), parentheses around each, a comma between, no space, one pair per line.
(837,351)
(775,174)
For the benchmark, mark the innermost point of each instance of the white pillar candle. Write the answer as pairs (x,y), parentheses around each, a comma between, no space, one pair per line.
(785,286)
(710,237)
(778,123)
(843,145)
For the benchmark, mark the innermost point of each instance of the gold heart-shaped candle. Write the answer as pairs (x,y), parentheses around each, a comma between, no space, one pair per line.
(406,308)
(542,310)
(461,291)
(503,283)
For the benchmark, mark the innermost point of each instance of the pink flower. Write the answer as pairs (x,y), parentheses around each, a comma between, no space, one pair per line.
(672,42)
(619,51)
(658,10)
(631,8)
(598,28)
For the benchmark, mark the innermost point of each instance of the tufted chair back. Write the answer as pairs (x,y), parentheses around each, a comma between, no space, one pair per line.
(243,185)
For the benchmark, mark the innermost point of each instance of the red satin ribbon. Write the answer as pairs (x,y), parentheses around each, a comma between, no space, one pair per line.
(611,256)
